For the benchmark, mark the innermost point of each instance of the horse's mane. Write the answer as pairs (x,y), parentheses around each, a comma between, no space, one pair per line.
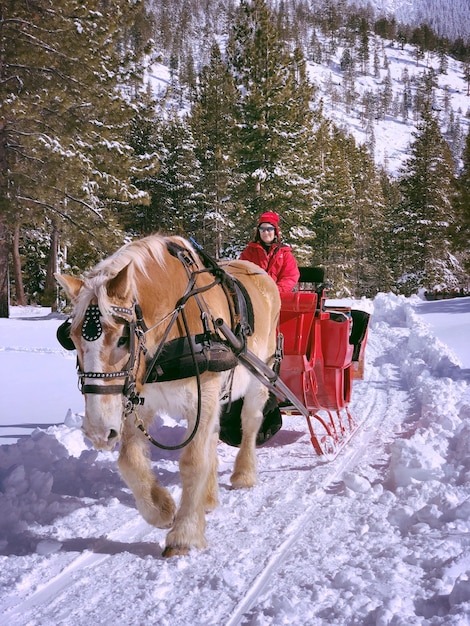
(136,256)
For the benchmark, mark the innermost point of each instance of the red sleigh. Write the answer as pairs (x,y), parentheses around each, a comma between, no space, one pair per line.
(323,352)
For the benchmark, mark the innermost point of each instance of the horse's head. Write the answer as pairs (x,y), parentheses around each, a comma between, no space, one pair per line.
(102,331)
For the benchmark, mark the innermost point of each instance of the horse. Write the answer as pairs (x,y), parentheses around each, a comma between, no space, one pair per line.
(146,325)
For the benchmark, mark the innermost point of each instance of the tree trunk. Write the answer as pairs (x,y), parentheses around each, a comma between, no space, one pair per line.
(4,282)
(17,274)
(50,287)
(4,235)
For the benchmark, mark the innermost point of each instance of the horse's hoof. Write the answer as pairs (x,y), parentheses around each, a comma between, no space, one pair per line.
(170,551)
(164,525)
(242,481)
(160,518)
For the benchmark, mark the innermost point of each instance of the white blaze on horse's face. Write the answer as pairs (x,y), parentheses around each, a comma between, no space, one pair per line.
(103,412)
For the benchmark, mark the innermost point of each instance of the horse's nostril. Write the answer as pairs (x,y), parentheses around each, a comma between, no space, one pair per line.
(112,434)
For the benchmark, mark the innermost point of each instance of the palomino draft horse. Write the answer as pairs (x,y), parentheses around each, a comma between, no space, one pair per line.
(146,326)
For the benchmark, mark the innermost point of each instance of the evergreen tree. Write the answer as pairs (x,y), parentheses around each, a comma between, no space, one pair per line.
(63,160)
(145,132)
(461,227)
(349,219)
(424,94)
(273,119)
(371,274)
(212,122)
(390,233)
(176,202)
(386,96)
(333,221)
(425,213)
(364,51)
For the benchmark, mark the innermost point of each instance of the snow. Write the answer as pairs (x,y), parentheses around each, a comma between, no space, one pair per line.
(380,535)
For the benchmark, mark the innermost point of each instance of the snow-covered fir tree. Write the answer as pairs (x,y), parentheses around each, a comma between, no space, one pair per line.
(426,212)
(212,119)
(273,118)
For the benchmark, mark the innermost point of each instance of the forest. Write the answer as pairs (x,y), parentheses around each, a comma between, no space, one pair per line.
(92,156)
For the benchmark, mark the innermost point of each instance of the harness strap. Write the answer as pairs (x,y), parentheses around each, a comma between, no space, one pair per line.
(190,291)
(236,292)
(102,389)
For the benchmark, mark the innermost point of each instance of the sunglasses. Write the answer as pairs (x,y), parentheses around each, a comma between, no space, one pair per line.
(266,229)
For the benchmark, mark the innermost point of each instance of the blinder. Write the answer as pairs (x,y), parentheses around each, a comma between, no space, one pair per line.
(91,331)
(63,335)
(91,328)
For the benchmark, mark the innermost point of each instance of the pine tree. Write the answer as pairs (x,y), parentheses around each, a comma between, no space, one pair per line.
(461,204)
(212,122)
(426,213)
(333,221)
(273,118)
(364,51)
(390,232)
(175,197)
(62,155)
(372,271)
(145,132)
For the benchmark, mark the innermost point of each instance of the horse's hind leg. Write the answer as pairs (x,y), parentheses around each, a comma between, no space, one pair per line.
(245,470)
(153,501)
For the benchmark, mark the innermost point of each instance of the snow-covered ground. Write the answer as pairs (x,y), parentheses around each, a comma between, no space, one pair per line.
(379,536)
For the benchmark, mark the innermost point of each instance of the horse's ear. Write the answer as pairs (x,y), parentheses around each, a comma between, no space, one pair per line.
(119,286)
(70,285)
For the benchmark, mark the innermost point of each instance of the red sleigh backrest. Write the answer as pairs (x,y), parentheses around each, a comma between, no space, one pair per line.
(297,314)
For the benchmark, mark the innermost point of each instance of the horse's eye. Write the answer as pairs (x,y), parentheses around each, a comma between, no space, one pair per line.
(123,341)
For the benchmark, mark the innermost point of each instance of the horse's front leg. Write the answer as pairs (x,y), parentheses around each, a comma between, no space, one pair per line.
(245,471)
(153,501)
(198,471)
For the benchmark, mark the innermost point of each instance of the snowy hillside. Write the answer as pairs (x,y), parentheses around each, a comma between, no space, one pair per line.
(392,135)
(448,19)
(355,106)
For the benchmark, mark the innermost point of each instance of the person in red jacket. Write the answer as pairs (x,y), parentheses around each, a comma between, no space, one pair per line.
(267,251)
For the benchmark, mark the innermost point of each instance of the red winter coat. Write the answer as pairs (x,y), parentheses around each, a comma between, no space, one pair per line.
(279,263)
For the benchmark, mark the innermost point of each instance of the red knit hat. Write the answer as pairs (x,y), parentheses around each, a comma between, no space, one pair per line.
(271,218)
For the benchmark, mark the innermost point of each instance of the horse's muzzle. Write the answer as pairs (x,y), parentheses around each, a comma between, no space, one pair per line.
(106,441)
